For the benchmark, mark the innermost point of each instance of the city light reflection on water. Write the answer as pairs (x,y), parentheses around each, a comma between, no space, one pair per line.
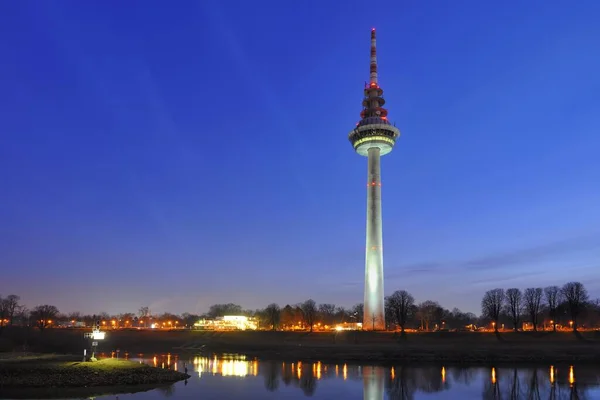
(228,376)
(231,366)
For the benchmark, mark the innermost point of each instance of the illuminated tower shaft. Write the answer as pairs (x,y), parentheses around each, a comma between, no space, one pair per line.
(373,137)
(373,307)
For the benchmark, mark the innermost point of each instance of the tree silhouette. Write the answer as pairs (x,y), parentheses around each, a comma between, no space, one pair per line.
(144,313)
(533,302)
(491,305)
(308,382)
(327,312)
(576,297)
(273,314)
(288,316)
(402,386)
(358,312)
(11,307)
(533,391)
(553,299)
(429,311)
(220,310)
(514,306)
(271,375)
(399,305)
(43,315)
(309,313)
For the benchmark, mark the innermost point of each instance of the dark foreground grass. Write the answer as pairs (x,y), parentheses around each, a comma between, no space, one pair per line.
(455,347)
(65,372)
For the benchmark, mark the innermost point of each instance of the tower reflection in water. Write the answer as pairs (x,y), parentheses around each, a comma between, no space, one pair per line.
(373,383)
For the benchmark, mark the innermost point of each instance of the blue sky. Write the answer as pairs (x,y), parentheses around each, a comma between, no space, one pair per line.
(182,154)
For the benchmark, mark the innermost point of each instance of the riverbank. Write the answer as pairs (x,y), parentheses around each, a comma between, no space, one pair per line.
(345,346)
(51,372)
(442,347)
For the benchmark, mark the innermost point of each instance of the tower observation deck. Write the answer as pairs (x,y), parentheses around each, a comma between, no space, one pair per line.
(373,137)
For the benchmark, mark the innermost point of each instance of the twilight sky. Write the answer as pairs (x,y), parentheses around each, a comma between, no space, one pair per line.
(187,154)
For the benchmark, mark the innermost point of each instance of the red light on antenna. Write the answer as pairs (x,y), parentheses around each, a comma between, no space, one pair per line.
(372,29)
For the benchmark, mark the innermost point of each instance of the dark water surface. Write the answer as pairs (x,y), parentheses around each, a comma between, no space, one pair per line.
(236,377)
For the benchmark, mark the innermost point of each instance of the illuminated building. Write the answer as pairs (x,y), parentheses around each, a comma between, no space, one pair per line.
(348,326)
(373,137)
(228,323)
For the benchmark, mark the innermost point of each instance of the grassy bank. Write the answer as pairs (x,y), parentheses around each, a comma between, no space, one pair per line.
(65,372)
(384,347)
(460,347)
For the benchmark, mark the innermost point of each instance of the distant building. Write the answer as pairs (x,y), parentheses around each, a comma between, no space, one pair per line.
(228,323)
(349,326)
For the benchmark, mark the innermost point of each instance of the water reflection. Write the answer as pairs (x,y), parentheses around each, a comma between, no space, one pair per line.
(377,382)
(373,383)
(530,383)
(235,365)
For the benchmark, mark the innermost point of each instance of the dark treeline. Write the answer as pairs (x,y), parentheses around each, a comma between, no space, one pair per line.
(568,307)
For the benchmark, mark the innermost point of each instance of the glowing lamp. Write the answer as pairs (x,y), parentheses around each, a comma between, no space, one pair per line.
(97,335)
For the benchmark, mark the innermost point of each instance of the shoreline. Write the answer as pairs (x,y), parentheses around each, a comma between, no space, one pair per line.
(60,373)
(348,346)
(390,348)
(400,356)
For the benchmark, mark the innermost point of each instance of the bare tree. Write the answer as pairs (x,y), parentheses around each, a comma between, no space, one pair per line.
(400,304)
(9,307)
(341,315)
(273,314)
(357,313)
(576,297)
(22,317)
(289,316)
(491,305)
(553,297)
(3,312)
(533,301)
(309,312)
(430,312)
(144,313)
(43,315)
(12,307)
(514,306)
(74,316)
(327,312)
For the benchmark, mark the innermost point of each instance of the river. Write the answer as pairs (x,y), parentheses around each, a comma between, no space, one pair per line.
(236,377)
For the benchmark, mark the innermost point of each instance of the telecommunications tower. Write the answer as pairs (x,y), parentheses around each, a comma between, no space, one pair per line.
(373,137)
